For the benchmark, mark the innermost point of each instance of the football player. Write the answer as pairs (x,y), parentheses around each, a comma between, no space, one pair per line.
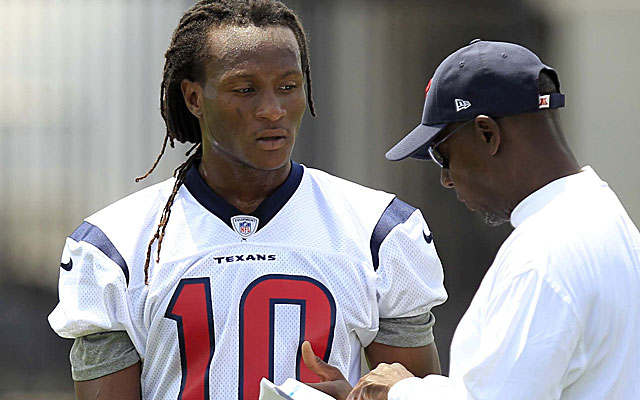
(197,287)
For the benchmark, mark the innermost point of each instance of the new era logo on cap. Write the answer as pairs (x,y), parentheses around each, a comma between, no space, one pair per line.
(462,104)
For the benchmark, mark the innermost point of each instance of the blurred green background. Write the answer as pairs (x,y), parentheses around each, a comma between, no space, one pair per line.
(79,120)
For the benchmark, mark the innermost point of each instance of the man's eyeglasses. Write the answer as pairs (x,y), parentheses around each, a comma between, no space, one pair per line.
(436,156)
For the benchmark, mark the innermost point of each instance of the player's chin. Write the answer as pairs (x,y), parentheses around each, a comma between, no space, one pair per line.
(272,161)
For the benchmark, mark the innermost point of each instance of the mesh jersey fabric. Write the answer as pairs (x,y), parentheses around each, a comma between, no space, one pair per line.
(327,259)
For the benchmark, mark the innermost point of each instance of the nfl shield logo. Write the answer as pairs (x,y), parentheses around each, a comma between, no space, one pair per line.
(245,225)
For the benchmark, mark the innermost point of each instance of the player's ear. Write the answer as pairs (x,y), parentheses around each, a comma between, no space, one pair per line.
(489,133)
(192,92)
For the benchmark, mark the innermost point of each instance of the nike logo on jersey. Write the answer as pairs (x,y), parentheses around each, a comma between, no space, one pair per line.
(67,266)
(429,238)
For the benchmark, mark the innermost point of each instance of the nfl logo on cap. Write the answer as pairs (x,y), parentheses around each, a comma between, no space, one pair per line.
(245,225)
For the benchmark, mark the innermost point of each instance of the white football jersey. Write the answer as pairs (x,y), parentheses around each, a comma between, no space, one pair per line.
(234,295)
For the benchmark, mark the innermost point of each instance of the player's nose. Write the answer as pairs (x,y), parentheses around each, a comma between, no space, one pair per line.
(445,178)
(270,107)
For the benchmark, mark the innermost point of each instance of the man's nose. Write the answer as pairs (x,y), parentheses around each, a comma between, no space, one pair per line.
(445,178)
(270,107)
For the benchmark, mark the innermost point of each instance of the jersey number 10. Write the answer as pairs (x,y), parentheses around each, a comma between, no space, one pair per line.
(191,307)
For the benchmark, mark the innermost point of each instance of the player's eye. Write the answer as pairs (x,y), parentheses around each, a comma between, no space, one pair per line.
(288,86)
(244,90)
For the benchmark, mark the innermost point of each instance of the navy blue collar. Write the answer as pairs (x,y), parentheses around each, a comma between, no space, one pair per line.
(223,210)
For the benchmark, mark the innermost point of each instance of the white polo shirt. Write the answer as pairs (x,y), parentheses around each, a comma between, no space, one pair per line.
(557,315)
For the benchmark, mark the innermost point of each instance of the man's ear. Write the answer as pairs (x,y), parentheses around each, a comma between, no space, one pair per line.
(489,132)
(192,92)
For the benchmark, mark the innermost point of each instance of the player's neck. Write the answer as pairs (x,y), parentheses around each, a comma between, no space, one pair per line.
(242,186)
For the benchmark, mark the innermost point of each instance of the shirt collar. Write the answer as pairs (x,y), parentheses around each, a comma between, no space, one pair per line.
(541,197)
(269,207)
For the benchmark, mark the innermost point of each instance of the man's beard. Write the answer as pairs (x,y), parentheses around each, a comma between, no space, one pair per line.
(493,219)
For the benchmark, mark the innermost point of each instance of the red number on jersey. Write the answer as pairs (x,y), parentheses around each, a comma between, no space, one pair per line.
(317,322)
(191,308)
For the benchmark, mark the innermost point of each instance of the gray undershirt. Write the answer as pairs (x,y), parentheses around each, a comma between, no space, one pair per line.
(407,332)
(101,354)
(94,356)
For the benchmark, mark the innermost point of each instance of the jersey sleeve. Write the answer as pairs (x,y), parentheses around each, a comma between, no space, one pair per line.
(409,273)
(92,286)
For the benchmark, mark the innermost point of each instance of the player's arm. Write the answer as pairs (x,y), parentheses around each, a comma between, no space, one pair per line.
(105,366)
(122,385)
(408,341)
(420,361)
(94,311)
(409,284)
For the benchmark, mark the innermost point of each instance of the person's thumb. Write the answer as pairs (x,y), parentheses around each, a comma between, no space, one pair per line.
(325,371)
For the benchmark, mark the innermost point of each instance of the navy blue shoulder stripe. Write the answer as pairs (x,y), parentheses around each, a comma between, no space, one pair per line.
(93,235)
(397,212)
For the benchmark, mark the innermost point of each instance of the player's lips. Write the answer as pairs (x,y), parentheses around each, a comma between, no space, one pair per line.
(272,139)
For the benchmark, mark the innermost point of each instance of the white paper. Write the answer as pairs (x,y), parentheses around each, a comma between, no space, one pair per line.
(291,389)
(269,391)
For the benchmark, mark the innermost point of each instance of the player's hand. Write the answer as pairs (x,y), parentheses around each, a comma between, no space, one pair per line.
(376,384)
(333,382)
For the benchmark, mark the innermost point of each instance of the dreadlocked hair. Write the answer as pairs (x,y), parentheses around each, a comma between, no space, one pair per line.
(185,59)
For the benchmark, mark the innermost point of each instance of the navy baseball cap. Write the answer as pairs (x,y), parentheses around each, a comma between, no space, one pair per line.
(484,78)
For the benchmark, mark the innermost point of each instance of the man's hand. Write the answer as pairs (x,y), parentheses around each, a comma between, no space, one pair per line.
(377,383)
(333,382)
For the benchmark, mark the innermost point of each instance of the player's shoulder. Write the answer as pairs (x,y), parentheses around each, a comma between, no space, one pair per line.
(122,223)
(346,190)
(359,202)
(121,230)
(135,207)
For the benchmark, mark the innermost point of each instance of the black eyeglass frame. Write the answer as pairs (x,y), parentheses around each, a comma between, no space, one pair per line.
(435,155)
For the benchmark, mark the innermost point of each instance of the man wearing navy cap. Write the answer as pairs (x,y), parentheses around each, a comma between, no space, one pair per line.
(557,316)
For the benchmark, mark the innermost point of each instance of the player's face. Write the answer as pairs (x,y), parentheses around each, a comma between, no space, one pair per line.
(253,96)
(471,176)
